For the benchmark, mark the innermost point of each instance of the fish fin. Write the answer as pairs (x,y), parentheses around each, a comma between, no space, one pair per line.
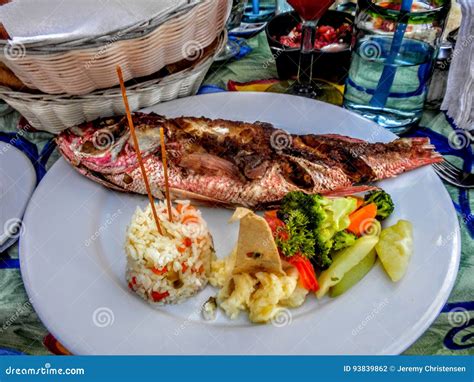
(423,153)
(349,190)
(205,163)
(201,200)
(96,177)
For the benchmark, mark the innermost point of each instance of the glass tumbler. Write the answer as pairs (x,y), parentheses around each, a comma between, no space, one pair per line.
(395,42)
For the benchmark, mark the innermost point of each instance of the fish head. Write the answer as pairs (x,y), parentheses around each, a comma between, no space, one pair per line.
(107,145)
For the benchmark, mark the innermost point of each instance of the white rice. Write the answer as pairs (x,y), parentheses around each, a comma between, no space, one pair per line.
(171,268)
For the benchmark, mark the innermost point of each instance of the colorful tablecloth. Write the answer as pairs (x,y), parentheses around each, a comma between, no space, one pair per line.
(21,331)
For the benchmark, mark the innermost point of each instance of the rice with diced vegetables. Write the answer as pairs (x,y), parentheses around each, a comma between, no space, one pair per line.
(168,268)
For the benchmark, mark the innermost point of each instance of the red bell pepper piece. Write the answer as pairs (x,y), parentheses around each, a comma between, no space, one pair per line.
(306,271)
(157,296)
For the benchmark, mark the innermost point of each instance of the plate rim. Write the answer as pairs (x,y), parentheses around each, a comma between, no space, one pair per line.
(30,182)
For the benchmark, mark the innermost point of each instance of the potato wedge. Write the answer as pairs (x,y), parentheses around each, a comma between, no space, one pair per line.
(354,275)
(395,249)
(343,261)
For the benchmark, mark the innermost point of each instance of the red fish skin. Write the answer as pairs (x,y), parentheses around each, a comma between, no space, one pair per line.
(222,190)
(210,159)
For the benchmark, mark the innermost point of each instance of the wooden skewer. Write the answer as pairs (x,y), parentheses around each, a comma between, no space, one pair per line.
(137,149)
(165,171)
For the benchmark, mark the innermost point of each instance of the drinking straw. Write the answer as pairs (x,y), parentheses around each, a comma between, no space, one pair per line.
(165,171)
(255,7)
(382,91)
(137,148)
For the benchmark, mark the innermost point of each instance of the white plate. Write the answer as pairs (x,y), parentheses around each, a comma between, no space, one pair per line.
(17,182)
(73,262)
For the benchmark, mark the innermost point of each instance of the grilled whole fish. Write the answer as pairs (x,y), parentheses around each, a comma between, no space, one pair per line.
(234,163)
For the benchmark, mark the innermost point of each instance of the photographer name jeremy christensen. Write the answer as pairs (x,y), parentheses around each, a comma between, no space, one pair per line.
(431,369)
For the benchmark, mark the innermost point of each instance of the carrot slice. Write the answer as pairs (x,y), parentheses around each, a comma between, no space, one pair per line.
(191,218)
(360,218)
(190,207)
(272,214)
(159,272)
(306,272)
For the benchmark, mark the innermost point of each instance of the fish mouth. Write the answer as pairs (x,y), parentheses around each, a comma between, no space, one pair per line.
(108,147)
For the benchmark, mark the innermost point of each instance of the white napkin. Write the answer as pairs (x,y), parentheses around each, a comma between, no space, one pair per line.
(29,21)
(459,99)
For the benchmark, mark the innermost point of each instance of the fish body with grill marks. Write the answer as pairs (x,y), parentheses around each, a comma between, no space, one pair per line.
(231,163)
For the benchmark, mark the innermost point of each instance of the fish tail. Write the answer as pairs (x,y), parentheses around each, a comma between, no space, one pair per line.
(422,153)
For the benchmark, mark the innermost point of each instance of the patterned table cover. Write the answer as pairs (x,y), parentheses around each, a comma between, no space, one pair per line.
(21,331)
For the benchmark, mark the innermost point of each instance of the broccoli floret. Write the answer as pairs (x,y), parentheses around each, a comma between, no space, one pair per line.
(383,201)
(292,201)
(343,239)
(316,210)
(312,206)
(322,259)
(324,218)
(300,239)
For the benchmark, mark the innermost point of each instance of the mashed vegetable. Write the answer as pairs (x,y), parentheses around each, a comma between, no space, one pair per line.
(261,294)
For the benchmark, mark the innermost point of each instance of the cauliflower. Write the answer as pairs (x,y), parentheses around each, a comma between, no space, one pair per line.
(235,295)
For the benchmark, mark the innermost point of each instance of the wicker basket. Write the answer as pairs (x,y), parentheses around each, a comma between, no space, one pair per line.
(55,113)
(82,66)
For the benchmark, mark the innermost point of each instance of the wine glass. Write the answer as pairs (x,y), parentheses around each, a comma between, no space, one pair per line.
(310,12)
(232,48)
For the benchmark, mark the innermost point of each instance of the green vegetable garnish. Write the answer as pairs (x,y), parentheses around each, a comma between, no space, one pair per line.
(300,237)
(324,218)
(383,201)
(343,239)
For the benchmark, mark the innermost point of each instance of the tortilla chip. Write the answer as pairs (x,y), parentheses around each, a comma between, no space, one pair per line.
(256,248)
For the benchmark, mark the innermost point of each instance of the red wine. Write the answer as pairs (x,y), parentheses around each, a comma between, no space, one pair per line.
(310,9)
